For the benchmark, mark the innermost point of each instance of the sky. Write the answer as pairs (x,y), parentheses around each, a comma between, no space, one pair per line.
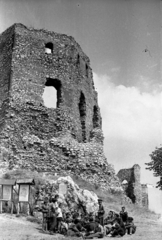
(123,41)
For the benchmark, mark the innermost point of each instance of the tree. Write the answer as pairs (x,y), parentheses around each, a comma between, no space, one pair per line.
(156,165)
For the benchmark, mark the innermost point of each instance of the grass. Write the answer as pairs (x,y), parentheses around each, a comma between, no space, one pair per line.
(110,201)
(144,219)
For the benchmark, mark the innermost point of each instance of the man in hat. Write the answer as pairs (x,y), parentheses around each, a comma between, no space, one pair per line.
(101,212)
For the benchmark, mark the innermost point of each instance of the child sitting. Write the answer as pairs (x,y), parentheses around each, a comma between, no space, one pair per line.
(130,227)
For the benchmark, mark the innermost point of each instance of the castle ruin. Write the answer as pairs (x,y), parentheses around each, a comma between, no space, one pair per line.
(67,139)
(131,181)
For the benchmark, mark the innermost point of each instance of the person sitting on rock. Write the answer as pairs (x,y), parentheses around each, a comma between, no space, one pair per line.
(94,229)
(79,225)
(99,229)
(68,219)
(110,218)
(75,215)
(90,226)
(108,222)
(130,227)
(73,231)
(116,230)
(120,221)
(85,221)
(124,215)
(65,223)
(101,212)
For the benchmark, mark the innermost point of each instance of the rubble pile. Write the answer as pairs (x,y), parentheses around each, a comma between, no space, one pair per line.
(65,156)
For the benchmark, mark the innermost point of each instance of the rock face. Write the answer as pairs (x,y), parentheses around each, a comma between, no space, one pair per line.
(71,196)
(67,139)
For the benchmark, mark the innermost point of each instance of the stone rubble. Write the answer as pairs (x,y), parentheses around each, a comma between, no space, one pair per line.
(74,199)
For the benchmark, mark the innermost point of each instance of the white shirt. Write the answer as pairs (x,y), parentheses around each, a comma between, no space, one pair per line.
(59,212)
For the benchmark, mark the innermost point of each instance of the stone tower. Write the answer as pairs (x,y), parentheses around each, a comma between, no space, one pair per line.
(66,139)
(133,188)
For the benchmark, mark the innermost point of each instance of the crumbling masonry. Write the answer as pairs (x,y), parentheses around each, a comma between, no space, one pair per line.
(133,188)
(67,139)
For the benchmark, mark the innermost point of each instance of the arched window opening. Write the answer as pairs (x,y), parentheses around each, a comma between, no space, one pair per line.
(52,95)
(130,191)
(49,48)
(124,182)
(82,112)
(87,70)
(96,118)
(125,185)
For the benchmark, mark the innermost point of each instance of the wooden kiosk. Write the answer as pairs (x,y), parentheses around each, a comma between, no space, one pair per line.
(7,192)
(24,192)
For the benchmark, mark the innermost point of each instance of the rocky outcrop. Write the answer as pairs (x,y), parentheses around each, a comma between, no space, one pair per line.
(71,196)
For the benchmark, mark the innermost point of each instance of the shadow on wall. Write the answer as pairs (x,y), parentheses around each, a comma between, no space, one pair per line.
(82,111)
(130,191)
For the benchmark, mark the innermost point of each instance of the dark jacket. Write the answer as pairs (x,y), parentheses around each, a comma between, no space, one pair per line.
(124,216)
(101,211)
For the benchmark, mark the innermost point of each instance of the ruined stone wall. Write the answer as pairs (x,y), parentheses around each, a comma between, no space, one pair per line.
(145,202)
(133,189)
(6,45)
(67,139)
(65,69)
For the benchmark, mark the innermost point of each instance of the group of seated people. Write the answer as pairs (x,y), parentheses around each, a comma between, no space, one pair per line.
(87,226)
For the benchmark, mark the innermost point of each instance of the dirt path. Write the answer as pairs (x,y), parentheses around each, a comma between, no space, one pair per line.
(13,228)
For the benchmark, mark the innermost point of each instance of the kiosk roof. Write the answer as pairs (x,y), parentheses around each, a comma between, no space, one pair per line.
(7,181)
(26,181)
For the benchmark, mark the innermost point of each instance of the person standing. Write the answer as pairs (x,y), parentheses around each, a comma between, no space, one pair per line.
(124,215)
(101,212)
(53,215)
(59,217)
(45,211)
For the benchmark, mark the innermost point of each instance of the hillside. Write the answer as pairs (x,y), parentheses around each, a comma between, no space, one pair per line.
(23,228)
(148,226)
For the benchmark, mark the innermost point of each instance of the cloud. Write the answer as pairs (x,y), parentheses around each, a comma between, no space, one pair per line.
(132,123)
(115,69)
